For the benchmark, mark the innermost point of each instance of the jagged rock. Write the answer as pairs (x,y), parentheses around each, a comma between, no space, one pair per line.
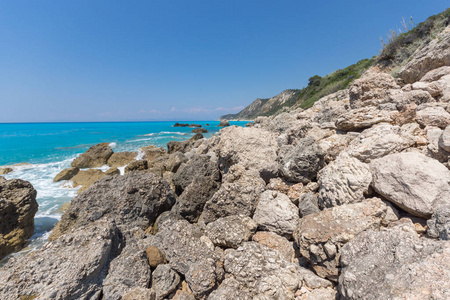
(180,125)
(439,224)
(412,181)
(433,135)
(174,161)
(140,294)
(87,178)
(434,88)
(183,146)
(436,74)
(238,195)
(127,271)
(433,116)
(7,170)
(152,152)
(133,200)
(157,166)
(112,172)
(17,209)
(198,166)
(394,264)
(231,231)
(253,148)
(136,165)
(155,256)
(66,174)
(371,88)
(199,130)
(224,123)
(164,281)
(362,118)
(302,162)
(277,184)
(257,272)
(444,139)
(72,267)
(320,236)
(343,181)
(275,212)
(432,55)
(402,99)
(335,144)
(276,242)
(308,204)
(94,157)
(379,141)
(188,254)
(120,159)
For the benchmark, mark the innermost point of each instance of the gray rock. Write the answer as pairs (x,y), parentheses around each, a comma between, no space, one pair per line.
(439,224)
(17,209)
(164,281)
(412,181)
(394,264)
(127,271)
(231,231)
(444,140)
(320,236)
(94,157)
(152,152)
(188,254)
(66,174)
(433,116)
(238,195)
(133,200)
(302,162)
(276,242)
(140,294)
(275,212)
(174,161)
(183,146)
(72,267)
(308,204)
(257,272)
(198,166)
(343,181)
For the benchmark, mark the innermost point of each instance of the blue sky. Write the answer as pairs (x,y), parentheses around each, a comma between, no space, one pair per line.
(177,59)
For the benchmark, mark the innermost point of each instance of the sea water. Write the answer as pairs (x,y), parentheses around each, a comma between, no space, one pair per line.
(44,149)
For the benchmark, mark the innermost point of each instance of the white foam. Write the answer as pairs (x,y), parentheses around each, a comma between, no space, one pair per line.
(113,145)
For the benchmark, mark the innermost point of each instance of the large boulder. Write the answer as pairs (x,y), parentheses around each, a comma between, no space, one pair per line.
(152,152)
(238,195)
(136,165)
(224,123)
(412,181)
(439,224)
(183,146)
(253,148)
(257,272)
(121,159)
(66,174)
(343,181)
(276,242)
(394,264)
(86,178)
(72,267)
(275,212)
(133,200)
(94,157)
(174,161)
(361,118)
(302,162)
(231,231)
(17,209)
(433,116)
(187,252)
(321,236)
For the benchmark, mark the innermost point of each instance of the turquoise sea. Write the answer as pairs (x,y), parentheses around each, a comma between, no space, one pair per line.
(48,148)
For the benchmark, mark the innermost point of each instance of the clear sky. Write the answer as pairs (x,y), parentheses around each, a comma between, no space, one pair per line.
(89,60)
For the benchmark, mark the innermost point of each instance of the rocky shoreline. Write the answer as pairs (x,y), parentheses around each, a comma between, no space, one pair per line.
(349,199)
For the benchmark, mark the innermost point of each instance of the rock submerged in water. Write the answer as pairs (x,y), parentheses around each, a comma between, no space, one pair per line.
(224,123)
(17,209)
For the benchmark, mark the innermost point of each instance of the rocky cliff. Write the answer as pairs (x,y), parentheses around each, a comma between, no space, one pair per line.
(347,199)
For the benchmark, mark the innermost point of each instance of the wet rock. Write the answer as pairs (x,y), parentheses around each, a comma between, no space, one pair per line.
(87,178)
(183,146)
(253,148)
(195,125)
(164,281)
(136,165)
(433,116)
(17,209)
(199,130)
(275,212)
(320,236)
(439,224)
(56,270)
(343,181)
(6,170)
(412,181)
(66,174)
(302,162)
(155,256)
(133,200)
(362,118)
(405,266)
(238,195)
(308,204)
(224,123)
(231,231)
(94,157)
(120,159)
